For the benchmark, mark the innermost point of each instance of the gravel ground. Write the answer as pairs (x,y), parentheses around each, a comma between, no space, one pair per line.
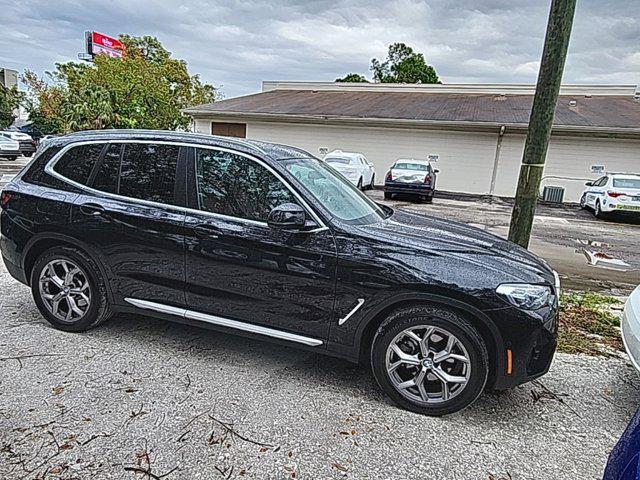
(185,403)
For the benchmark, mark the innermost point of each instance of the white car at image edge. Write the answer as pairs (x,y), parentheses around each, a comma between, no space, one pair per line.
(630,326)
(354,166)
(618,192)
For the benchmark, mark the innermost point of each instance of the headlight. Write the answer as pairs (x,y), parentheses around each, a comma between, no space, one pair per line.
(525,296)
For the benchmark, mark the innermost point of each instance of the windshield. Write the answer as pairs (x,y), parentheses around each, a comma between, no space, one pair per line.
(626,182)
(334,192)
(339,160)
(411,166)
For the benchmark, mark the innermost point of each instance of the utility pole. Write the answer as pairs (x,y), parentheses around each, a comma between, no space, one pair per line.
(554,54)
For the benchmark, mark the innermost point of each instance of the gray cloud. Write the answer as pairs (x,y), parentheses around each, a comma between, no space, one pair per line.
(238,43)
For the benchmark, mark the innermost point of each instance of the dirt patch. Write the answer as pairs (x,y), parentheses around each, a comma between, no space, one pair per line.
(590,324)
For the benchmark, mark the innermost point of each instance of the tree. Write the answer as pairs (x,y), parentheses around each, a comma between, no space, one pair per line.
(9,101)
(146,88)
(403,65)
(353,78)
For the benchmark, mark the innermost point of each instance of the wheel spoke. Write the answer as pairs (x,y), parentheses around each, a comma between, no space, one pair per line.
(61,283)
(445,377)
(73,306)
(405,357)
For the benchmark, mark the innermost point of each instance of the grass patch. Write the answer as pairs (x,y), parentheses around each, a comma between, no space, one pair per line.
(588,324)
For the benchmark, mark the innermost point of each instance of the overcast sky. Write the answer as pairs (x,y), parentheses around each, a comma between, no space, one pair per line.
(237,44)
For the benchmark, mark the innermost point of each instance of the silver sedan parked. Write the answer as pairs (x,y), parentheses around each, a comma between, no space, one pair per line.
(631,327)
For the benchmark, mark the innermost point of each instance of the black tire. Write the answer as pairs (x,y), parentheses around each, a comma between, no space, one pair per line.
(597,210)
(28,154)
(360,184)
(583,201)
(388,196)
(429,199)
(372,184)
(12,158)
(442,318)
(99,309)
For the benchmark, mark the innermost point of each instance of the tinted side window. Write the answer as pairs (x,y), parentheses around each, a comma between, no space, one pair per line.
(78,162)
(107,173)
(148,172)
(236,186)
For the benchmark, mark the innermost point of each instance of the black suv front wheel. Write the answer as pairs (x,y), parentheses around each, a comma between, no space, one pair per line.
(430,360)
(69,290)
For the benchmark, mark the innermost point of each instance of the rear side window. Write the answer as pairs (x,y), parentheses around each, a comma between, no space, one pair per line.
(148,172)
(237,186)
(107,173)
(78,162)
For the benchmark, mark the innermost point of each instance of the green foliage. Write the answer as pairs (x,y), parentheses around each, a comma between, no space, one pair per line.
(10,99)
(403,65)
(588,324)
(353,78)
(147,88)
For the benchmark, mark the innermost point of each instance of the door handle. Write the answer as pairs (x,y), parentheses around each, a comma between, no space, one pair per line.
(92,209)
(206,230)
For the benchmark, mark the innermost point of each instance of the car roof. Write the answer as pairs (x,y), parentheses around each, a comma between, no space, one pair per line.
(624,175)
(273,150)
(340,153)
(413,160)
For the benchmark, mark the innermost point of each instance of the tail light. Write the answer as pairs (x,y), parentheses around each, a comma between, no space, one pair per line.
(614,194)
(388,178)
(427,179)
(4,199)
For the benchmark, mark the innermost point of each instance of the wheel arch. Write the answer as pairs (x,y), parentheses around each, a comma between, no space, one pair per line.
(483,324)
(43,242)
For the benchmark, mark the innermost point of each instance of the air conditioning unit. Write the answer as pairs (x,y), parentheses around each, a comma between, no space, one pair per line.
(553,194)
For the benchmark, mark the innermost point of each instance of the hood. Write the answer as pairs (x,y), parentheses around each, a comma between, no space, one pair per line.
(432,235)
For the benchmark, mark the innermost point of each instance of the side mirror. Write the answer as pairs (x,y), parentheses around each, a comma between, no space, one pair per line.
(288,216)
(589,184)
(436,171)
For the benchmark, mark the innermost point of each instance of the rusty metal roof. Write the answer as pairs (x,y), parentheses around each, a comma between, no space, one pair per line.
(598,113)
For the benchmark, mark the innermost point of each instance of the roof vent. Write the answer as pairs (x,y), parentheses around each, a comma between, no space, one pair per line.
(572,103)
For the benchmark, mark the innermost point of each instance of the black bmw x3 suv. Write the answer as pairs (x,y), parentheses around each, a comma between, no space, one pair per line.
(268,241)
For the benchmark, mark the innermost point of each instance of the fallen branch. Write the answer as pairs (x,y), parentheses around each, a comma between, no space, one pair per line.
(229,429)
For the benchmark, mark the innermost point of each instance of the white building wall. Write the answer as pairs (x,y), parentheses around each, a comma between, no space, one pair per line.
(466,159)
(569,161)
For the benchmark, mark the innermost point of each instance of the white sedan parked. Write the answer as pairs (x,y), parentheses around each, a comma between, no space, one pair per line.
(631,327)
(614,192)
(354,166)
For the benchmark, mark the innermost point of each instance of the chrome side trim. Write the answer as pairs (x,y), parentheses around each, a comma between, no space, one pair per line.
(224,322)
(354,310)
(50,170)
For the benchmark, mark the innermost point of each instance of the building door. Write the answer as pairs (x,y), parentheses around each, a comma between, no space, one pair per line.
(226,129)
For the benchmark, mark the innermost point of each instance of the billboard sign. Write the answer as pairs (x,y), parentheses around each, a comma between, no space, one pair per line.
(99,44)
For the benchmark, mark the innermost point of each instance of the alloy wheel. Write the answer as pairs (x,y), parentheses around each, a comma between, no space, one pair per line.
(65,290)
(428,364)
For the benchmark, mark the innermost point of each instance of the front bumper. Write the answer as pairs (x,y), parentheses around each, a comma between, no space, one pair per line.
(408,188)
(630,326)
(9,153)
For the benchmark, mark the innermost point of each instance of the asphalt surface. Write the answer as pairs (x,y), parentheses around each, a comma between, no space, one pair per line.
(187,403)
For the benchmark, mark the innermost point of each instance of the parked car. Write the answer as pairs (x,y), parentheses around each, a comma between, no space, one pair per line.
(630,326)
(9,149)
(354,166)
(624,459)
(27,145)
(615,192)
(412,177)
(267,241)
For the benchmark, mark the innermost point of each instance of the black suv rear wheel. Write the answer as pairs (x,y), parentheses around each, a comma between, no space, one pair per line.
(68,289)
(430,360)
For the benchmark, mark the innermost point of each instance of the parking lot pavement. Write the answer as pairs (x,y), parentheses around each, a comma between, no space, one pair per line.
(554,237)
(143,394)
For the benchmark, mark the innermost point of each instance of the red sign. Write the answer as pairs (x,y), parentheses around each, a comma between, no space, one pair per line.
(103,44)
